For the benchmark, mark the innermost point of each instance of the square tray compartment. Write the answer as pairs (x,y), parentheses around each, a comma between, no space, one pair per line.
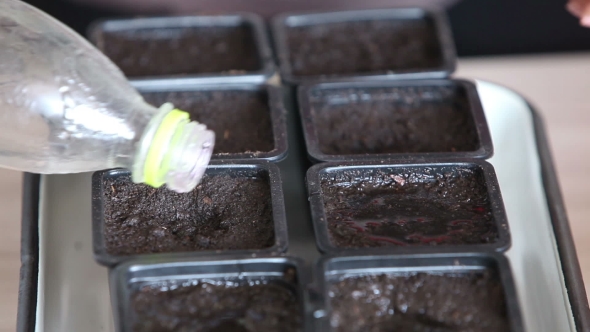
(282,274)
(367,44)
(187,46)
(447,206)
(248,118)
(418,119)
(187,241)
(391,295)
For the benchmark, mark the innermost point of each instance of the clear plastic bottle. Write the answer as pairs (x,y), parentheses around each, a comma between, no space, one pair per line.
(66,108)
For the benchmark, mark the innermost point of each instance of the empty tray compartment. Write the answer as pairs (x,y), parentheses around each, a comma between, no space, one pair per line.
(252,294)
(235,209)
(435,207)
(367,44)
(188,46)
(248,118)
(418,293)
(401,119)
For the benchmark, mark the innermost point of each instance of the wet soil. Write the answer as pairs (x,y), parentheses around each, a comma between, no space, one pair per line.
(419,302)
(240,119)
(217,306)
(182,51)
(408,207)
(222,213)
(393,120)
(363,47)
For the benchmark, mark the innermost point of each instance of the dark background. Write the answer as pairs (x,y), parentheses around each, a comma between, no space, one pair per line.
(480,27)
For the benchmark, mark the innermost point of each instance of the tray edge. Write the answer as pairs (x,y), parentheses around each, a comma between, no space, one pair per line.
(29,271)
(570,265)
(26,319)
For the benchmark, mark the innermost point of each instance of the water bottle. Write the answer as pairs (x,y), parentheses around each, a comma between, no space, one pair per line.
(66,108)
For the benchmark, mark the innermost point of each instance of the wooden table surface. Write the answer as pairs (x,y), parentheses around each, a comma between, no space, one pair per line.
(559,85)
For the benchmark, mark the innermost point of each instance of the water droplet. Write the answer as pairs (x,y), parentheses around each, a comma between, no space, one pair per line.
(64,135)
(357,294)
(319,314)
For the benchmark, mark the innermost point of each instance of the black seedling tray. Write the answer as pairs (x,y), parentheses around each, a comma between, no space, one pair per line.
(333,270)
(57,276)
(301,238)
(412,120)
(128,279)
(408,43)
(248,118)
(115,248)
(233,45)
(403,207)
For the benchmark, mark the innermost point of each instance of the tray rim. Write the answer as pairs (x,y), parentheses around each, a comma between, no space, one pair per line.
(257,23)
(568,257)
(29,270)
(279,25)
(27,300)
(280,243)
(319,219)
(274,101)
(484,151)
(119,277)
(461,262)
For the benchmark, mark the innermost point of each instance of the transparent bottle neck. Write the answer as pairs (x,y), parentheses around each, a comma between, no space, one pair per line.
(125,152)
(172,151)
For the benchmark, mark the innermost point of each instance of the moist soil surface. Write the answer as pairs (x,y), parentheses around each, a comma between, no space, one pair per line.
(393,120)
(241,120)
(363,47)
(207,306)
(222,212)
(418,302)
(181,51)
(408,207)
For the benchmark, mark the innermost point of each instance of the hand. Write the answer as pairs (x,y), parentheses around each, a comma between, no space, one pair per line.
(580,9)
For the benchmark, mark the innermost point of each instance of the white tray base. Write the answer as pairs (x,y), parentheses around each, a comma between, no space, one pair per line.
(73,289)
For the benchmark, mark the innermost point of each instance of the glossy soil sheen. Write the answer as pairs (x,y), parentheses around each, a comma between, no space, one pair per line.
(418,302)
(408,207)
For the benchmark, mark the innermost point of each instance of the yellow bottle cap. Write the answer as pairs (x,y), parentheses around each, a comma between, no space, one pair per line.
(156,163)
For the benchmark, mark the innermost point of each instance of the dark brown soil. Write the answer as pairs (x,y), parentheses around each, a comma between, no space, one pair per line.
(393,120)
(408,207)
(240,118)
(181,51)
(208,306)
(223,212)
(419,302)
(363,47)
